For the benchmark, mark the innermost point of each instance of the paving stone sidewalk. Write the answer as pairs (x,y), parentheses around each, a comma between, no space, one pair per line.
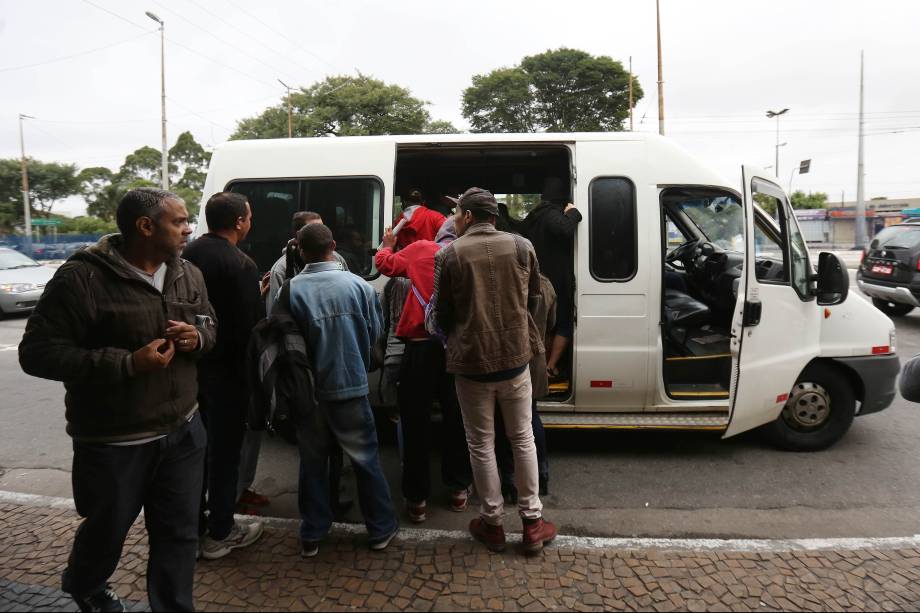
(457,574)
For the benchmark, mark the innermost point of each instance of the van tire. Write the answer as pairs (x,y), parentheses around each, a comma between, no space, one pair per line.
(785,434)
(892,309)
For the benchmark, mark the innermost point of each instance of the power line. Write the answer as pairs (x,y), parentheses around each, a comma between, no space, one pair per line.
(280,33)
(75,55)
(200,116)
(249,34)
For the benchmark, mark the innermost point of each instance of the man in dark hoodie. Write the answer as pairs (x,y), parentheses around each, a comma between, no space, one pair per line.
(122,324)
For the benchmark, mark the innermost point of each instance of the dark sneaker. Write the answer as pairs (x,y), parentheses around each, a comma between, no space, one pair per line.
(105,601)
(460,499)
(381,544)
(309,549)
(537,533)
(493,537)
(417,511)
(242,535)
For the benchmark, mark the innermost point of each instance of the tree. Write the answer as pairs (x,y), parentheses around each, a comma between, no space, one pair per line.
(345,106)
(191,163)
(801,200)
(565,90)
(48,183)
(145,163)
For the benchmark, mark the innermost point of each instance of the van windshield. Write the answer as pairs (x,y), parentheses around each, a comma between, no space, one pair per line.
(719,218)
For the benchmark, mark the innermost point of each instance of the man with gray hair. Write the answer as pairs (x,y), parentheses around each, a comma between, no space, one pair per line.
(122,324)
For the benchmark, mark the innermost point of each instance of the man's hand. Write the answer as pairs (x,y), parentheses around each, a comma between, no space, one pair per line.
(265,284)
(569,207)
(155,355)
(389,239)
(183,335)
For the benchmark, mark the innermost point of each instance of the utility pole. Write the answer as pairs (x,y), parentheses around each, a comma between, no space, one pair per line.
(771,115)
(860,170)
(660,77)
(630,95)
(165,172)
(290,110)
(27,207)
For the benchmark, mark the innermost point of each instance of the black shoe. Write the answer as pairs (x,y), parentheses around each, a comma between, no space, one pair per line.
(105,601)
(309,549)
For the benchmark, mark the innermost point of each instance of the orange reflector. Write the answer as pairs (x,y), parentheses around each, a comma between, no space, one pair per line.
(827,313)
(602,384)
(881,350)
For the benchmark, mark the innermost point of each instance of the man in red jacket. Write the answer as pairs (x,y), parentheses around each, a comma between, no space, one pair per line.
(422,379)
(417,222)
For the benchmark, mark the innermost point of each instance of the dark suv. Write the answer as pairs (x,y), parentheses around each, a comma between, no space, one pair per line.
(890,269)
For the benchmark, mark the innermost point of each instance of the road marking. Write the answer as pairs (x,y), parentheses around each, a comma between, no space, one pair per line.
(424,535)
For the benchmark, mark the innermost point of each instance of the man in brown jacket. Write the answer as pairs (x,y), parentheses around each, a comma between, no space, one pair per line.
(122,324)
(485,283)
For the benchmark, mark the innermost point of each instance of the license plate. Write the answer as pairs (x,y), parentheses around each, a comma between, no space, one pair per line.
(881,269)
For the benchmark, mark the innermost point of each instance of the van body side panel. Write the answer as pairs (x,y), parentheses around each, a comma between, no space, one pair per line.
(612,340)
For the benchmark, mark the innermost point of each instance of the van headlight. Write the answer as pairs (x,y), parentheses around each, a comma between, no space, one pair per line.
(17,288)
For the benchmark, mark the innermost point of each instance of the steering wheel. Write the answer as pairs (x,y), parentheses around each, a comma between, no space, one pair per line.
(682,252)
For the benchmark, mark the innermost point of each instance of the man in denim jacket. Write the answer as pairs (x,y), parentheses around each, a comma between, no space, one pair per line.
(341,319)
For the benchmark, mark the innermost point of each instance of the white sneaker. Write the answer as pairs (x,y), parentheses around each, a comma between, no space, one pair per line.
(242,535)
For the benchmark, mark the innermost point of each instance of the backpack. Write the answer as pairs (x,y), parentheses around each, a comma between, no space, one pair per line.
(279,372)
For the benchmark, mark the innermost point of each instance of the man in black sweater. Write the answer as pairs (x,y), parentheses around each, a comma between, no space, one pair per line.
(122,324)
(233,285)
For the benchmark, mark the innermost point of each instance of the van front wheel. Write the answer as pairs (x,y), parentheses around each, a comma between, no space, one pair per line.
(819,411)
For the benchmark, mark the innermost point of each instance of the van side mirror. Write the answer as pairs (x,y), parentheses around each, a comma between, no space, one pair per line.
(832,280)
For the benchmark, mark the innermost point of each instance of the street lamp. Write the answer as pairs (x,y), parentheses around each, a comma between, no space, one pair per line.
(165,177)
(771,115)
(26,205)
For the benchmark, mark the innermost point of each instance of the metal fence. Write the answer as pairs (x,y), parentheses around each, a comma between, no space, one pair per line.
(54,247)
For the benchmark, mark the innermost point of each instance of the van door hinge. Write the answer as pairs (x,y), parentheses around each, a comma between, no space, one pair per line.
(752,312)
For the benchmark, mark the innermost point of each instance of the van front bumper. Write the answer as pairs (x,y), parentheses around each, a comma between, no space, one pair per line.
(878,374)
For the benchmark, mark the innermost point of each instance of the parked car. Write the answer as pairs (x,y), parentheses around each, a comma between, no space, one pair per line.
(22,281)
(890,269)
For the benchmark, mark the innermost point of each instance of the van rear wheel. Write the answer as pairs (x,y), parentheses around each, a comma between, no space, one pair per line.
(820,410)
(892,309)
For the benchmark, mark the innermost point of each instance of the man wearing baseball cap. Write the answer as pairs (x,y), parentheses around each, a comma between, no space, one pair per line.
(485,282)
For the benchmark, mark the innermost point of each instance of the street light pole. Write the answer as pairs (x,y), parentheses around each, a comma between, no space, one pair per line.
(861,170)
(660,77)
(26,205)
(290,111)
(165,172)
(771,115)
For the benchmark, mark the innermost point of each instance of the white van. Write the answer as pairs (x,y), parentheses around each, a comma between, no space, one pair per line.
(696,309)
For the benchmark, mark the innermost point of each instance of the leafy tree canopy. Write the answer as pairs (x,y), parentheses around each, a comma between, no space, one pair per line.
(345,106)
(49,182)
(565,90)
(801,200)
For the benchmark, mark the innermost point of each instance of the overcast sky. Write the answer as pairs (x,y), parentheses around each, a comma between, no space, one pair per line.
(725,63)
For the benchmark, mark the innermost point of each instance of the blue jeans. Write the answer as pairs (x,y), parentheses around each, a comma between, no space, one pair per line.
(352,423)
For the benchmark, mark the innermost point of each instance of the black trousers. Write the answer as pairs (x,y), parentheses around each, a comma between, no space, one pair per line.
(223,401)
(422,380)
(110,486)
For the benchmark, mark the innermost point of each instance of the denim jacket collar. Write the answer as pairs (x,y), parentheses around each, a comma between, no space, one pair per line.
(322,267)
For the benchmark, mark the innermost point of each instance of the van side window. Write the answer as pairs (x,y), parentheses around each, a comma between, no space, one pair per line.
(612,224)
(350,207)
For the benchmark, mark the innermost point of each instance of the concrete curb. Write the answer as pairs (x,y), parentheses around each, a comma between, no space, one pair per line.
(422,535)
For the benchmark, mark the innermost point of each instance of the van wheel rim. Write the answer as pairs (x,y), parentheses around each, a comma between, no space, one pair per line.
(808,407)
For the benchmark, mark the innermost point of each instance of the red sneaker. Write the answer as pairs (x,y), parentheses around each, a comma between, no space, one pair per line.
(537,533)
(493,537)
(417,511)
(459,500)
(250,498)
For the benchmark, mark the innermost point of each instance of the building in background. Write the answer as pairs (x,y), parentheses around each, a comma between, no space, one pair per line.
(836,225)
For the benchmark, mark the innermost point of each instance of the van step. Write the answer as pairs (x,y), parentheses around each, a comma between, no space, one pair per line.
(631,421)
(697,391)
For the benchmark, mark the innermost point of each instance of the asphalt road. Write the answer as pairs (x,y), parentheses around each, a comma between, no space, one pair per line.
(602,483)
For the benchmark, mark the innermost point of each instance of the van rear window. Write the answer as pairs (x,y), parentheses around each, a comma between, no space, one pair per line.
(613,229)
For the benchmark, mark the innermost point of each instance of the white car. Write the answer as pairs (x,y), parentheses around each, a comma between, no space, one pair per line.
(22,281)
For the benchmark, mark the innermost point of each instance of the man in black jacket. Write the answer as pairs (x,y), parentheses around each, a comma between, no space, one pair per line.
(115,324)
(233,285)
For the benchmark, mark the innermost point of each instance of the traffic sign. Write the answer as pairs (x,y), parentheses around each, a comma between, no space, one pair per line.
(46,222)
(804,165)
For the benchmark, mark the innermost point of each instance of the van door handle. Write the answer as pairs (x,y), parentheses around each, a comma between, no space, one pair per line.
(753,309)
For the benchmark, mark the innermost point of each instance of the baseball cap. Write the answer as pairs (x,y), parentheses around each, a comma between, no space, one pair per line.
(478,199)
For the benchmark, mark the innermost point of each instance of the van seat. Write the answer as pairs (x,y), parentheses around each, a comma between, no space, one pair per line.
(683,310)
